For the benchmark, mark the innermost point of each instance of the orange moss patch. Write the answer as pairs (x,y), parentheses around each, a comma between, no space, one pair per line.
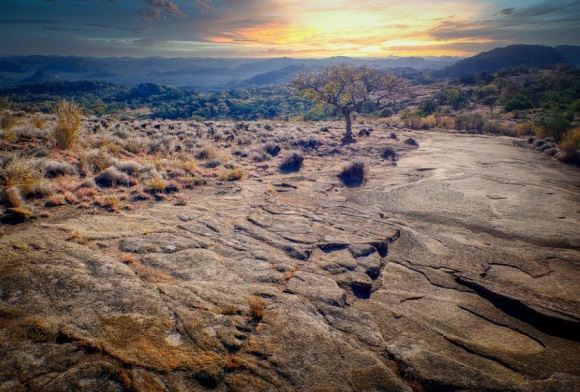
(141,341)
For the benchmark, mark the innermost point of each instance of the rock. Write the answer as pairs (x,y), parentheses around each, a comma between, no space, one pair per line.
(316,288)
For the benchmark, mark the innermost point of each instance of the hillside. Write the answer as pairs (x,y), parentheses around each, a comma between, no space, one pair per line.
(202,74)
(514,56)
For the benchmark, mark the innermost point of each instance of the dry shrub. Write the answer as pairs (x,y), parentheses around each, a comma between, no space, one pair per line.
(14,198)
(445,122)
(53,168)
(55,200)
(38,123)
(229,310)
(70,197)
(40,189)
(232,175)
(111,177)
(257,307)
(291,162)
(7,121)
(128,259)
(95,160)
(156,184)
(207,153)
(353,174)
(86,194)
(68,126)
(21,172)
(525,128)
(129,167)
(571,141)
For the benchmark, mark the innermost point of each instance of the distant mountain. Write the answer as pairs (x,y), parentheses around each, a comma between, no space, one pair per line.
(276,77)
(201,74)
(508,57)
(570,53)
(41,75)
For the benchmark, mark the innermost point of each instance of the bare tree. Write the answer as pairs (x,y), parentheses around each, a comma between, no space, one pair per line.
(349,88)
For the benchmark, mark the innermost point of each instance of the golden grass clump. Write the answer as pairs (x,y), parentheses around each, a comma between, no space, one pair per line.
(232,175)
(21,172)
(257,307)
(571,141)
(525,128)
(68,127)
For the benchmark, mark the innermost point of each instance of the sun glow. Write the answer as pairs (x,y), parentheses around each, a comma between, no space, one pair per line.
(352,28)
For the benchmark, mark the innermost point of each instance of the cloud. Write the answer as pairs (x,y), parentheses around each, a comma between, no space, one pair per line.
(167,6)
(28,21)
(550,22)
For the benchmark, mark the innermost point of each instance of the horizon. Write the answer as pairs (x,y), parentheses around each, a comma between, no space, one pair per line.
(268,29)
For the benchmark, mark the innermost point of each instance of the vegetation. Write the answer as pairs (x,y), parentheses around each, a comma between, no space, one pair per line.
(349,88)
(69,122)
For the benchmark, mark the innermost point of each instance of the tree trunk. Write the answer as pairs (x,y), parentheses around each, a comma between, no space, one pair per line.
(348,135)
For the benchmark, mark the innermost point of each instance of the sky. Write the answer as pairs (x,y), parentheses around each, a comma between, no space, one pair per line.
(277,28)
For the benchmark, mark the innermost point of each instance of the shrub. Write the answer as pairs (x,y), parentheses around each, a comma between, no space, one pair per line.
(470,122)
(389,153)
(272,149)
(393,135)
(411,142)
(54,168)
(291,162)
(55,200)
(257,308)
(232,175)
(112,177)
(68,126)
(7,121)
(156,184)
(353,174)
(129,167)
(21,172)
(427,107)
(518,102)
(14,198)
(571,141)
(556,126)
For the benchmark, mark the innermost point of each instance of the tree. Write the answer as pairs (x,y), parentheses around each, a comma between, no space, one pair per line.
(348,88)
(488,96)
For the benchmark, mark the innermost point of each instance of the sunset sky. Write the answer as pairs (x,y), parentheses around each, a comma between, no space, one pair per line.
(276,28)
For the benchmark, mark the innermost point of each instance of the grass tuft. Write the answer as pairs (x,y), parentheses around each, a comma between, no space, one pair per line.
(68,127)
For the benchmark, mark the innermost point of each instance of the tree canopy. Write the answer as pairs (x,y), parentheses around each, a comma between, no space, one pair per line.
(349,88)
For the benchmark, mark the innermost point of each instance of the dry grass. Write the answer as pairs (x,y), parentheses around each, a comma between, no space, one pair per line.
(231,175)
(68,127)
(353,173)
(257,307)
(14,198)
(571,141)
(21,172)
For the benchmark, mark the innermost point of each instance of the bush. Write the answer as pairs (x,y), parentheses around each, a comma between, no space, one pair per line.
(556,126)
(232,175)
(14,198)
(272,149)
(112,177)
(411,142)
(353,174)
(571,141)
(291,162)
(54,168)
(129,167)
(68,126)
(518,102)
(427,107)
(7,121)
(390,153)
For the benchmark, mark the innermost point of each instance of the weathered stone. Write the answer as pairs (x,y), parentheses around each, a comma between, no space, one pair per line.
(316,288)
